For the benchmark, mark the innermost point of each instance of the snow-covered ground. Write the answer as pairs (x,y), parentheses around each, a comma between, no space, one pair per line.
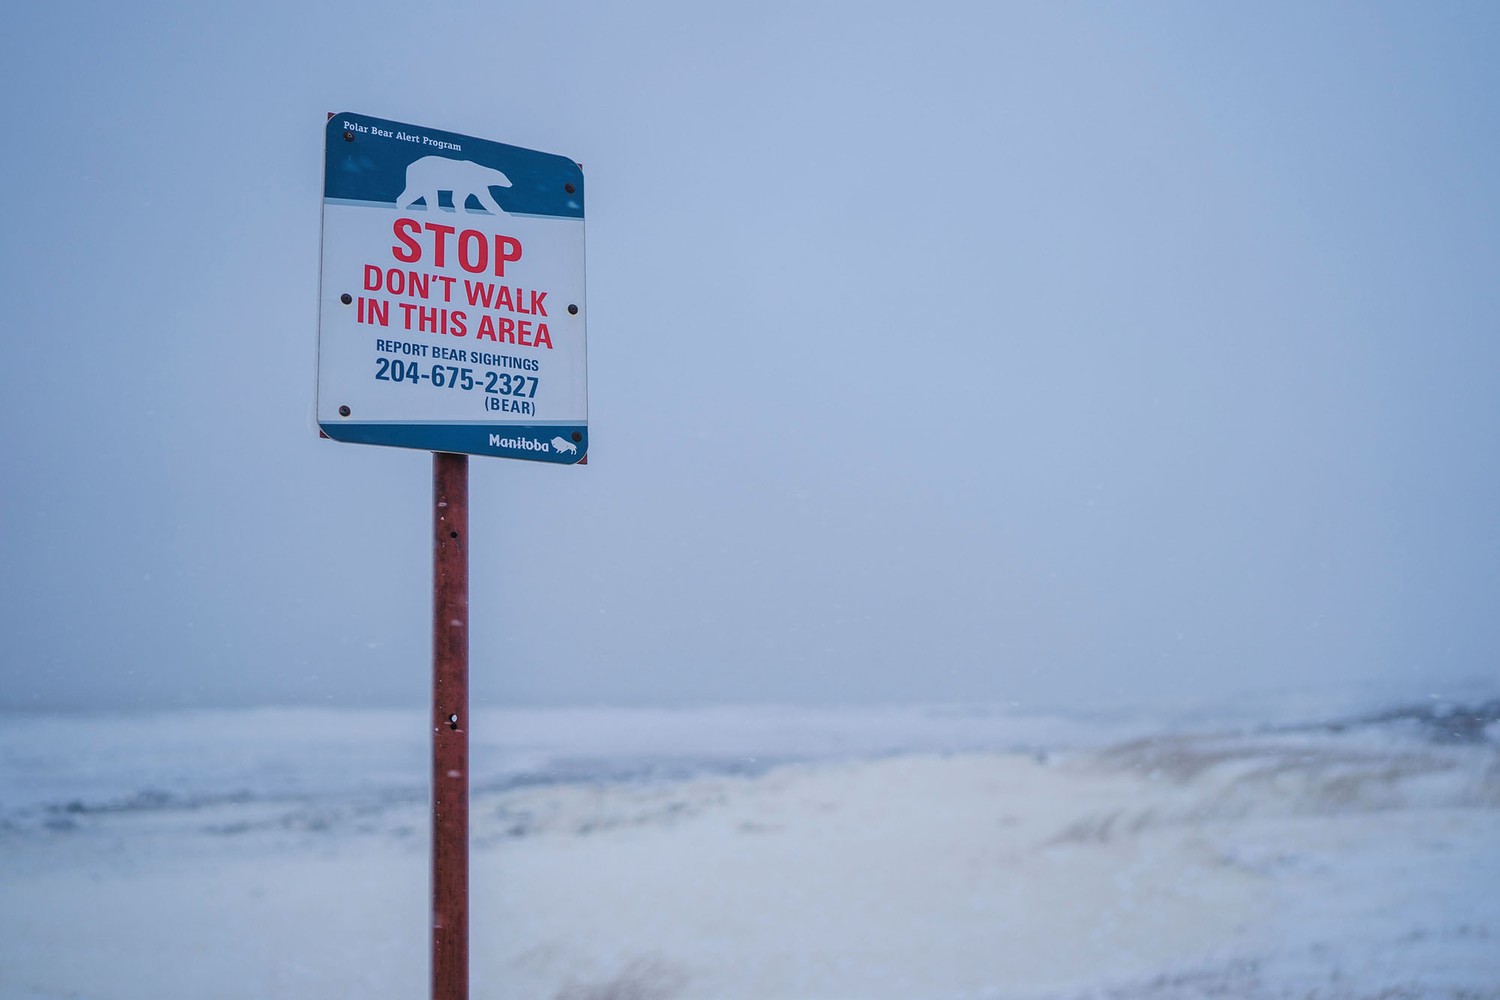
(923,853)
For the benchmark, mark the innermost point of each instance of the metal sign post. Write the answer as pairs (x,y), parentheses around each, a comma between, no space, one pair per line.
(451,319)
(450,726)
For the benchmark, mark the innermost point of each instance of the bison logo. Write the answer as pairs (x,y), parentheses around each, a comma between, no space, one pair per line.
(462,178)
(561,444)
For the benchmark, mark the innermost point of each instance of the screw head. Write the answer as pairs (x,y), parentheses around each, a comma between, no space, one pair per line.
(572,310)
(577,436)
(348,136)
(343,411)
(568,188)
(346,298)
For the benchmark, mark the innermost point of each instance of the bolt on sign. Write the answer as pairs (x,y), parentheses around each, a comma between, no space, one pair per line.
(452,301)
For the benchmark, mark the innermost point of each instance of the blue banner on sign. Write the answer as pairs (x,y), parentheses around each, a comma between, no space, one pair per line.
(375,161)
(559,443)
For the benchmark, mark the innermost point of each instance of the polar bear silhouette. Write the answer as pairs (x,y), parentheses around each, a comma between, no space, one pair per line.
(431,174)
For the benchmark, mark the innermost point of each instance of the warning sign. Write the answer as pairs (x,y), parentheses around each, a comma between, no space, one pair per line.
(452,301)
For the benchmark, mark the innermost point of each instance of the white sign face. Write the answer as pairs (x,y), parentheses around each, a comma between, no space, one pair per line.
(452,300)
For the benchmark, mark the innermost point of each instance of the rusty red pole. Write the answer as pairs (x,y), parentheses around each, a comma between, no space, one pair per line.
(450,727)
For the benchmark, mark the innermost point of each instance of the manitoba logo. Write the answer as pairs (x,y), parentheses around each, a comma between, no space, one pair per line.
(461,178)
(518,443)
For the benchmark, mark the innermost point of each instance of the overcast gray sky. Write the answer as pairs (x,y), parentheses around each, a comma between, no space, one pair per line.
(1024,352)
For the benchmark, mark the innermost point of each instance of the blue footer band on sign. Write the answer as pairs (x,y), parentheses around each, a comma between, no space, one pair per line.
(563,444)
